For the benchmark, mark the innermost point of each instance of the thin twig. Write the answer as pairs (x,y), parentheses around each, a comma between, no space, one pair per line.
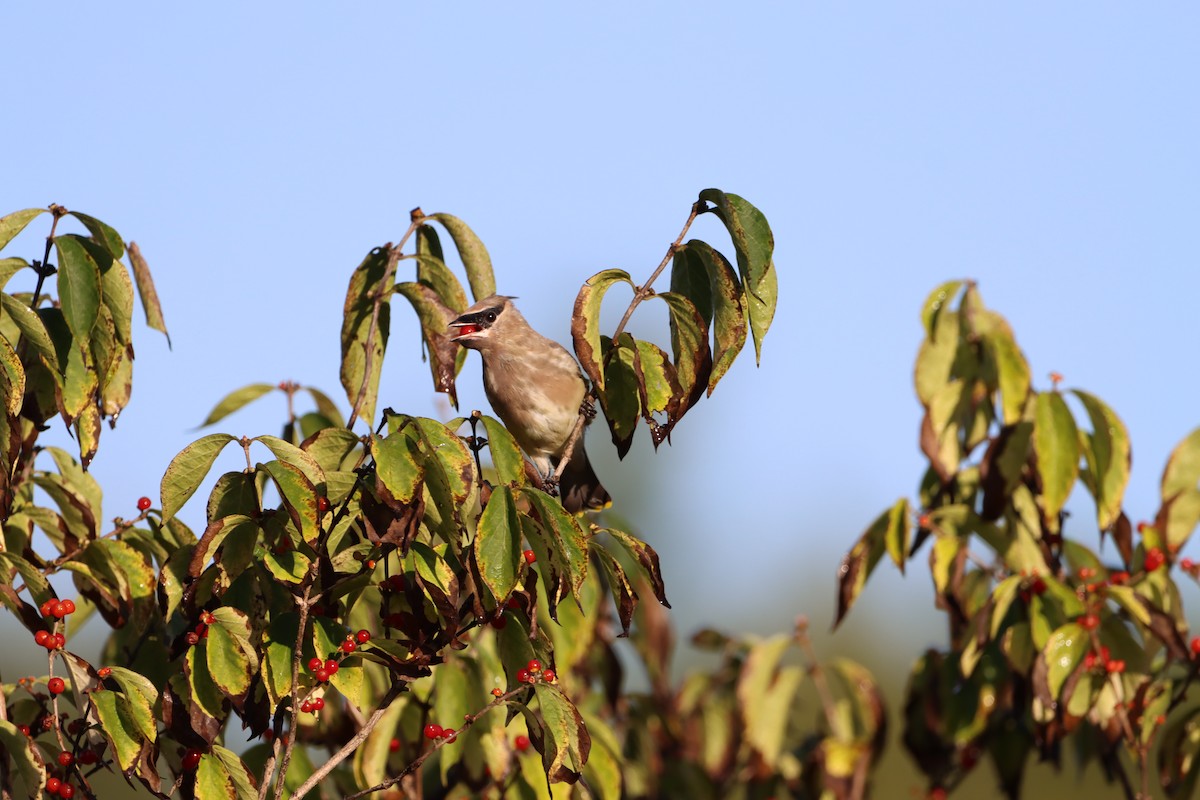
(296,655)
(468,721)
(382,291)
(644,291)
(347,749)
(828,702)
(43,269)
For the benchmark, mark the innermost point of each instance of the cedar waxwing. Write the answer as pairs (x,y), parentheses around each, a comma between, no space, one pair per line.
(536,387)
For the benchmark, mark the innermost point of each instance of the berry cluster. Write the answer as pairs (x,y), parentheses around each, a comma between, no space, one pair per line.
(1103,660)
(324,669)
(434,731)
(59,787)
(533,673)
(201,631)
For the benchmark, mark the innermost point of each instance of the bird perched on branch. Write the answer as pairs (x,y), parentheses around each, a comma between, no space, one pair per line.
(537,389)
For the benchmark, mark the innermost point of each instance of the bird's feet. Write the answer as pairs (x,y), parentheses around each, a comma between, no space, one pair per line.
(588,409)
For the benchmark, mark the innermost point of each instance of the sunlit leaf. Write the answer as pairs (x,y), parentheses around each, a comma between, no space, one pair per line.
(721,301)
(566,737)
(236,400)
(78,283)
(102,233)
(435,319)
(1056,444)
(33,330)
(1108,458)
(360,369)
(505,453)
(14,223)
(498,544)
(147,292)
(187,471)
(473,254)
(585,322)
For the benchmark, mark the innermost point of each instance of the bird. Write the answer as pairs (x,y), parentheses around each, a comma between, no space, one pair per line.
(537,389)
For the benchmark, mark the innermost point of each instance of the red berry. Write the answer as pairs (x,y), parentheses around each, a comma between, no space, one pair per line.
(68,606)
(534,665)
(1141,526)
(104,672)
(363,636)
(521,743)
(66,791)
(499,622)
(88,757)
(331,667)
(549,676)
(47,608)
(449,734)
(53,785)
(1119,578)
(59,609)
(192,638)
(1037,585)
(143,504)
(1154,559)
(530,557)
(41,637)
(60,641)
(524,676)
(56,685)
(191,760)
(433,731)
(924,521)
(1089,622)
(1115,665)
(25,729)
(348,646)
(322,504)
(66,759)
(1089,661)
(1196,645)
(370,563)
(321,675)
(394,746)
(315,664)
(318,704)
(1187,564)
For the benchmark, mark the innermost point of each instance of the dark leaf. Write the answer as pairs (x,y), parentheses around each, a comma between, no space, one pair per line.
(725,312)
(585,322)
(79,283)
(435,319)
(360,370)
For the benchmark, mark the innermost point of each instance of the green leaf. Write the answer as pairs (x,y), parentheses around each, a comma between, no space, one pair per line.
(620,399)
(356,327)
(754,244)
(140,695)
(222,776)
(567,742)
(1183,467)
(236,400)
(230,656)
(187,471)
(118,723)
(1012,372)
(10,267)
(1056,443)
(32,329)
(689,345)
(435,319)
(299,496)
(937,300)
(399,465)
(645,556)
(102,233)
(858,564)
(20,749)
(12,224)
(1064,651)
(325,406)
(505,452)
(766,695)
(78,284)
(288,453)
(585,321)
(13,378)
(473,254)
(498,544)
(565,539)
(899,532)
(147,292)
(1109,457)
(433,273)
(723,302)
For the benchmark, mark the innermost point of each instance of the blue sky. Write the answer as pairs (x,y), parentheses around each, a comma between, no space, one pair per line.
(256,152)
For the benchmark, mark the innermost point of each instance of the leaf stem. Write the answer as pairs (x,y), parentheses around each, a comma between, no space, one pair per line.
(43,272)
(644,291)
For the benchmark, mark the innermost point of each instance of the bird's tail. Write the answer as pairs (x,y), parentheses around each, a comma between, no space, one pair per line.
(579,487)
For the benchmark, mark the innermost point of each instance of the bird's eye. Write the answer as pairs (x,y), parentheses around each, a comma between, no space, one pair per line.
(491,316)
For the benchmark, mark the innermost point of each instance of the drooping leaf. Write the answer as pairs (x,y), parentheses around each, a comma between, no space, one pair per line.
(1108,458)
(78,284)
(1064,651)
(399,465)
(299,496)
(1056,444)
(1183,467)
(147,292)
(620,399)
(236,400)
(22,751)
(585,322)
(360,369)
(725,312)
(102,233)
(689,345)
(187,471)
(291,454)
(473,254)
(12,376)
(498,544)
(433,273)
(231,658)
(33,330)
(565,735)
(566,541)
(938,300)
(754,244)
(858,564)
(435,319)
(505,453)
(765,696)
(1012,372)
(12,224)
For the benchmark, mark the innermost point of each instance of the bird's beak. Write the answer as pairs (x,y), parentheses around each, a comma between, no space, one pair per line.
(464,327)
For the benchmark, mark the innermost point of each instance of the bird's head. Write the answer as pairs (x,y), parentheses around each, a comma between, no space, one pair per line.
(486,322)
